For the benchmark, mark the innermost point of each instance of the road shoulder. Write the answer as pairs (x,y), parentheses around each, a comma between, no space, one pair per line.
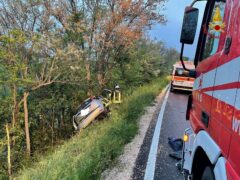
(125,167)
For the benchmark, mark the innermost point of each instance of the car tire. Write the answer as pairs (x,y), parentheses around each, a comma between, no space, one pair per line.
(208,174)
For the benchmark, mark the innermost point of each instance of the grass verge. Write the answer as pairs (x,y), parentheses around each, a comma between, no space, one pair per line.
(89,153)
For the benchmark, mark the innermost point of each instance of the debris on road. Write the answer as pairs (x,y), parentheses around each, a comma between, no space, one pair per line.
(175,143)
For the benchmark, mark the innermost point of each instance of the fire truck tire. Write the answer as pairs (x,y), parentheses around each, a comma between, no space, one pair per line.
(171,88)
(208,174)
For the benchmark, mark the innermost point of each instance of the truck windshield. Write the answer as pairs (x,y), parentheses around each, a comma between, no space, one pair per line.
(181,72)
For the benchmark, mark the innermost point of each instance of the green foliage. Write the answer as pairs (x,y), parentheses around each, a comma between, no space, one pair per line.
(143,62)
(52,107)
(46,55)
(185,58)
(87,154)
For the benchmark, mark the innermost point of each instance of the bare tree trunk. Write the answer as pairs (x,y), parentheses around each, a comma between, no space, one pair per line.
(100,76)
(25,96)
(9,152)
(87,65)
(52,124)
(15,106)
(88,77)
(100,80)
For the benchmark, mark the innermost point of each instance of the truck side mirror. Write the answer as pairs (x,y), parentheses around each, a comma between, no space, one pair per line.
(189,26)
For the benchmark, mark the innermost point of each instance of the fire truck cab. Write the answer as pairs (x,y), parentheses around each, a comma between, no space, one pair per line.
(212,144)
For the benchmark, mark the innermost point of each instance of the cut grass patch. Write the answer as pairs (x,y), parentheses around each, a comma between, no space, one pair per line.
(89,153)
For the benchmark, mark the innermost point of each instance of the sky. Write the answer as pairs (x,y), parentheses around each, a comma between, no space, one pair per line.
(170,33)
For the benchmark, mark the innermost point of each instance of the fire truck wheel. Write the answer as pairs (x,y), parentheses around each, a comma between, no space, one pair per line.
(208,174)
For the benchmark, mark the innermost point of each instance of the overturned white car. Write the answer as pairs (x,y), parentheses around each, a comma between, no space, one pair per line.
(88,111)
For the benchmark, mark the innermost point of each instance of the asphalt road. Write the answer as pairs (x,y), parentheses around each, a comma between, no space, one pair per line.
(173,125)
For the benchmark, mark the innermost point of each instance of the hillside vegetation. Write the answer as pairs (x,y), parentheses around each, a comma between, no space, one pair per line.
(55,54)
(87,154)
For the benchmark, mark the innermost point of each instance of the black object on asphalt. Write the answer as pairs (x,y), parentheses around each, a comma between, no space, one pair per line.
(175,143)
(176,155)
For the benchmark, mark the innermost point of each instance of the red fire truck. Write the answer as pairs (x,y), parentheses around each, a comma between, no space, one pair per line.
(212,144)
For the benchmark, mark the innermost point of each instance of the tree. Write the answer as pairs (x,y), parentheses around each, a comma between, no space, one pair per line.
(29,52)
(55,53)
(18,56)
(104,29)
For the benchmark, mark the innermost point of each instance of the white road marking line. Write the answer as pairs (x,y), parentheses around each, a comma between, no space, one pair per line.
(150,169)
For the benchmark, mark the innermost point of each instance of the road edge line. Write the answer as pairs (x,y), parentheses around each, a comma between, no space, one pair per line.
(152,156)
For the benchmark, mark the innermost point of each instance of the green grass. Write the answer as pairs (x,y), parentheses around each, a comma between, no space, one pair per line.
(88,154)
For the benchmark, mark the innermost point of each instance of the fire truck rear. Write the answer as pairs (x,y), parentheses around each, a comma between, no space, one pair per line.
(180,78)
(212,144)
